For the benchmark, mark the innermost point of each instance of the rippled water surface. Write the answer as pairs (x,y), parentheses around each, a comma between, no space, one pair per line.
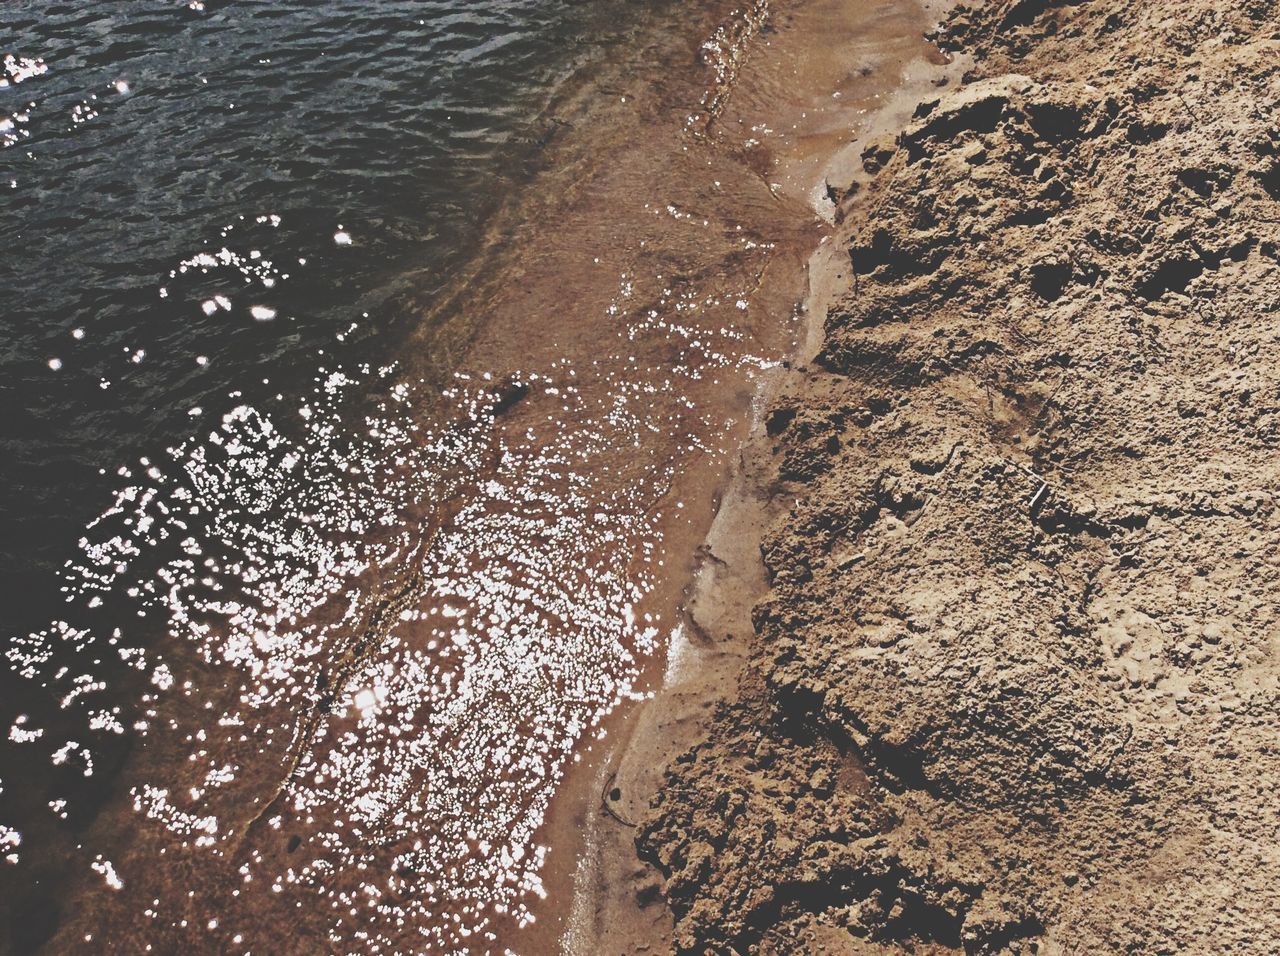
(367,367)
(179,184)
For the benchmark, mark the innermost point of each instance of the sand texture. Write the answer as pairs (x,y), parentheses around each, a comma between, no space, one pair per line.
(1013,687)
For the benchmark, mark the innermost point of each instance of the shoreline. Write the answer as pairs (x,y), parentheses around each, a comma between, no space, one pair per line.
(617,898)
(1011,688)
(835,510)
(615,895)
(336,763)
(610,358)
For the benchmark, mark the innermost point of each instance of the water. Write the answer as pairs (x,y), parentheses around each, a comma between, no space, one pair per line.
(163,131)
(205,204)
(370,371)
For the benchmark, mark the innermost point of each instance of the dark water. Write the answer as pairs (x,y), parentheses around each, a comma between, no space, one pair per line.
(162,131)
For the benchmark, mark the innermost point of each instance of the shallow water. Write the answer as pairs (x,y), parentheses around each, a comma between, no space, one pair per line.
(401,471)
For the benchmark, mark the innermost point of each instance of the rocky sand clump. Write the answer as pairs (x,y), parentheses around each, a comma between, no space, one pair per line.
(1015,685)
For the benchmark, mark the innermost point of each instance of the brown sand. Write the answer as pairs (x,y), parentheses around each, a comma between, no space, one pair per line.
(1013,679)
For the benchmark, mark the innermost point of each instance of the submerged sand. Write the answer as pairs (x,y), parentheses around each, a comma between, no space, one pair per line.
(1010,683)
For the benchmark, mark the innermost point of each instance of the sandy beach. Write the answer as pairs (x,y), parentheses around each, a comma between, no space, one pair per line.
(1005,679)
(436,582)
(780,477)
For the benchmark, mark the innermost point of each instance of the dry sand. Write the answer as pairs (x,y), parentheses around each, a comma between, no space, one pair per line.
(1012,680)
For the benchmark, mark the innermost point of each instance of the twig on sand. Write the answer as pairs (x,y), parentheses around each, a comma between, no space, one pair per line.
(605,794)
(1036,498)
(1119,750)
(986,384)
(1041,491)
(1187,107)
